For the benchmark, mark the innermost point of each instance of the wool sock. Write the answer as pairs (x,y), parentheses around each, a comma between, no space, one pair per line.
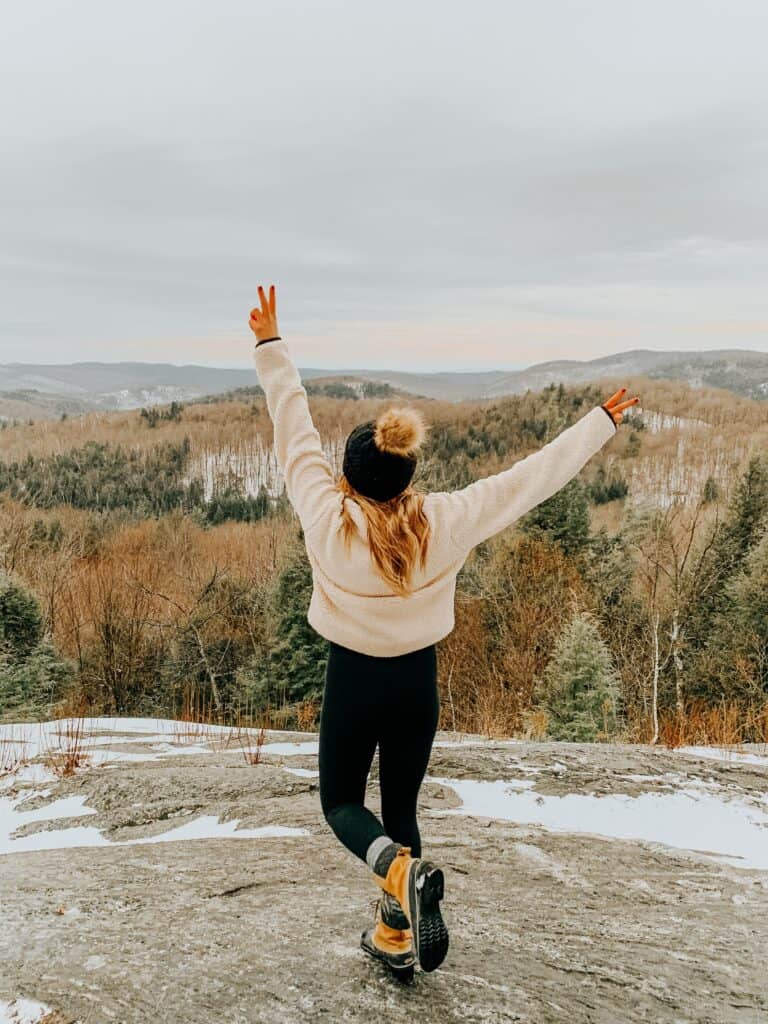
(380,855)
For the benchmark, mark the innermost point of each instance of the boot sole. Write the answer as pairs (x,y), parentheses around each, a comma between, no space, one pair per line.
(426,887)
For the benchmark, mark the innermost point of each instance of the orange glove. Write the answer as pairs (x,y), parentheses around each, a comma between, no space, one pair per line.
(615,408)
(263,322)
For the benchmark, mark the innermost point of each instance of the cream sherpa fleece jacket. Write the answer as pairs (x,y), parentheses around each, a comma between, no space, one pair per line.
(351,605)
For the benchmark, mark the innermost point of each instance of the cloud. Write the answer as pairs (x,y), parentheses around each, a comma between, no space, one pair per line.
(525,179)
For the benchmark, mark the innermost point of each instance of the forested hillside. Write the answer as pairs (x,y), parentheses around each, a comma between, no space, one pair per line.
(35,391)
(150,564)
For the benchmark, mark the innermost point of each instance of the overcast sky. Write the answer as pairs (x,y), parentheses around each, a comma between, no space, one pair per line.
(429,185)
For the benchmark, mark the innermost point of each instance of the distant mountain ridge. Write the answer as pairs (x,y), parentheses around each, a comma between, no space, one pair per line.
(30,389)
(742,371)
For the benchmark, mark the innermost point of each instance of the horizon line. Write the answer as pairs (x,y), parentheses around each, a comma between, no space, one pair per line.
(384,369)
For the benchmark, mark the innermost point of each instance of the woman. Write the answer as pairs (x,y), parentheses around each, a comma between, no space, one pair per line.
(384,563)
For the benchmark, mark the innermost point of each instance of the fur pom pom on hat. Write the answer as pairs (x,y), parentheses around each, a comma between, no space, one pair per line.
(380,456)
(400,431)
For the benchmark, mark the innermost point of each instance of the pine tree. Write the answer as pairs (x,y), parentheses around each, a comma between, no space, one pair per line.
(745,522)
(603,489)
(748,513)
(30,687)
(579,687)
(711,491)
(32,675)
(563,518)
(740,653)
(21,621)
(294,669)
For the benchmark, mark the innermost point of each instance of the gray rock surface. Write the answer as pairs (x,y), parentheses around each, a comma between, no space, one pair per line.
(545,927)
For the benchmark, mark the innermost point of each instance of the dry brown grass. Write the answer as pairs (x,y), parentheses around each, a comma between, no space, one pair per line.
(192,724)
(700,725)
(534,725)
(307,714)
(245,730)
(251,743)
(251,738)
(14,751)
(68,751)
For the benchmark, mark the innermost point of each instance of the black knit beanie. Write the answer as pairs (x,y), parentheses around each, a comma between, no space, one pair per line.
(380,455)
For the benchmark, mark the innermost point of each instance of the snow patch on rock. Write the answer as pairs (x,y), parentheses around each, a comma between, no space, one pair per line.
(23,1011)
(694,818)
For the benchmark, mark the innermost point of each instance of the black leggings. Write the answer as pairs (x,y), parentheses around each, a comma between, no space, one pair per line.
(390,701)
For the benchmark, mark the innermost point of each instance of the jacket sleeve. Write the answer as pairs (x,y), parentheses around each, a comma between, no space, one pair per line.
(487,506)
(309,480)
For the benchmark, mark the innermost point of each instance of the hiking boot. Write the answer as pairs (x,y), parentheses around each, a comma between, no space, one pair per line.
(390,940)
(392,914)
(418,886)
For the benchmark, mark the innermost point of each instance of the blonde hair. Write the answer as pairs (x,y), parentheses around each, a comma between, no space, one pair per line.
(398,530)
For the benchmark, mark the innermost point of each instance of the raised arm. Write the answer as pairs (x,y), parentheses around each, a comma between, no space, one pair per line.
(487,506)
(308,475)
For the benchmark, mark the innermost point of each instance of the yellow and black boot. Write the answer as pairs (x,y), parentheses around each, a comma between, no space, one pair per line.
(389,939)
(418,886)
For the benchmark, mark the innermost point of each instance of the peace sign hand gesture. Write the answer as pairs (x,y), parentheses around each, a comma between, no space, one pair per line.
(263,321)
(615,408)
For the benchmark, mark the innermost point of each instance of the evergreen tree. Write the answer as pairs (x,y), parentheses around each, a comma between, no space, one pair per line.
(294,669)
(563,518)
(634,443)
(603,488)
(21,621)
(739,649)
(579,687)
(748,512)
(233,503)
(32,675)
(30,687)
(745,522)
(710,492)
(377,389)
